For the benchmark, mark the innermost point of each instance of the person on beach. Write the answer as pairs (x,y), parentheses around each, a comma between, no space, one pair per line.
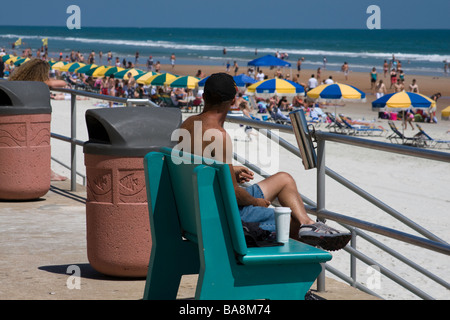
(345,70)
(380,89)
(413,87)
(254,201)
(385,68)
(172,60)
(393,77)
(236,68)
(38,70)
(373,77)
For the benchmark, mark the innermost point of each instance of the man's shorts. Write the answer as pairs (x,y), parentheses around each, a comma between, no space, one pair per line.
(265,216)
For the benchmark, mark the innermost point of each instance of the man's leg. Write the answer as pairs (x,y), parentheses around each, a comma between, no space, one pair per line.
(282,186)
(303,228)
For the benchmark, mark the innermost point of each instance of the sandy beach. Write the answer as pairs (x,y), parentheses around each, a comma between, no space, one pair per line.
(415,187)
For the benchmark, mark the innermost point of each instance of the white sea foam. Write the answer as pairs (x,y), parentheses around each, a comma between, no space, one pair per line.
(204,47)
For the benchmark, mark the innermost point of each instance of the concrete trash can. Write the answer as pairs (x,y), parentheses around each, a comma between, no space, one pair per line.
(25,154)
(117,218)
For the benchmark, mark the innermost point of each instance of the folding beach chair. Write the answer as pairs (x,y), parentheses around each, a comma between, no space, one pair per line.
(337,127)
(400,138)
(361,129)
(429,142)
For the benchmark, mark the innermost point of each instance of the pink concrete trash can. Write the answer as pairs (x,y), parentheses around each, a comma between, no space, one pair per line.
(25,153)
(117,218)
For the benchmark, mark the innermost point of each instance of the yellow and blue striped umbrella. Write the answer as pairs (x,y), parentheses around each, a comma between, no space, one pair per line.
(71,67)
(271,87)
(86,68)
(189,82)
(9,58)
(98,72)
(21,61)
(145,78)
(124,73)
(403,100)
(336,91)
(160,79)
(58,65)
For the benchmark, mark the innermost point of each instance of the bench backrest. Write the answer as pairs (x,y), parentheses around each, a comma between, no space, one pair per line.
(183,168)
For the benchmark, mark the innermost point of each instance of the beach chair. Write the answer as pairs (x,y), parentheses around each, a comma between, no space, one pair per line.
(361,129)
(429,142)
(196,229)
(166,101)
(400,138)
(278,117)
(336,126)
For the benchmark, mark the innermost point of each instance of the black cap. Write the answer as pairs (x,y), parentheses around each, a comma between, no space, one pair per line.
(220,87)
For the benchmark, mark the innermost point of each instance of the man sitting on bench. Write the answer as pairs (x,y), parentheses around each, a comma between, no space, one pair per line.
(254,201)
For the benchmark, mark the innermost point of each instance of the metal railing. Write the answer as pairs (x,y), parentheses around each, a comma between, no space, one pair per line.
(429,241)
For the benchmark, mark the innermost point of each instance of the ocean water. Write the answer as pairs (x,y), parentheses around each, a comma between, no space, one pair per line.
(420,51)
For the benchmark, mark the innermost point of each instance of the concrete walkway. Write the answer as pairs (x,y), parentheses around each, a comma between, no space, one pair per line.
(43,241)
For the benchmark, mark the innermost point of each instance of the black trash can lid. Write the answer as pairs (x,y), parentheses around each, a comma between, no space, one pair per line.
(24,97)
(130,131)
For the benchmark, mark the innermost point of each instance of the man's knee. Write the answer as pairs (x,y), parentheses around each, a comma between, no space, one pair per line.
(286,178)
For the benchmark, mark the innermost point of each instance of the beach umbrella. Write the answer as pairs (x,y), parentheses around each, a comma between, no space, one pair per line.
(71,67)
(400,101)
(86,68)
(268,61)
(145,77)
(189,82)
(6,57)
(113,70)
(242,80)
(98,72)
(160,79)
(10,59)
(272,87)
(336,92)
(21,61)
(58,65)
(201,83)
(124,73)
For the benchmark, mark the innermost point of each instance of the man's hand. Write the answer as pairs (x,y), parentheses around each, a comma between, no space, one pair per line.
(259,202)
(242,174)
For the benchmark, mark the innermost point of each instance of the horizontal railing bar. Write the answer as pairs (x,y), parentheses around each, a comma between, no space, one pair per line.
(67,139)
(106,97)
(356,141)
(383,146)
(259,124)
(385,231)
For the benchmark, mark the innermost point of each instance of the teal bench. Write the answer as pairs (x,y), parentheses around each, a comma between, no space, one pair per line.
(196,229)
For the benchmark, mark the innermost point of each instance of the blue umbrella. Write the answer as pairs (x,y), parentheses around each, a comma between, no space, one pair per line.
(242,80)
(201,83)
(269,61)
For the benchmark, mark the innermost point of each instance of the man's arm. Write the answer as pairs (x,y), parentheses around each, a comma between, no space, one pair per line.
(242,196)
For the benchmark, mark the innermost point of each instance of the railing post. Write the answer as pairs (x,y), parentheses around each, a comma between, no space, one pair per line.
(321,199)
(353,258)
(73,136)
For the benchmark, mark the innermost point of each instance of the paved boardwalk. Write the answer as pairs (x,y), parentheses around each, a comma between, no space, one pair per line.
(42,240)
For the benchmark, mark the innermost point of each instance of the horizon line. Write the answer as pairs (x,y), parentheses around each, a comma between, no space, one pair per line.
(248,28)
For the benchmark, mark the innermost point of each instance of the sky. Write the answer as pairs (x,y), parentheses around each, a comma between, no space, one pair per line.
(317,14)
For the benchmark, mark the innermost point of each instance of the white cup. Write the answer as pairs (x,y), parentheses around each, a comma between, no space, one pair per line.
(282,223)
